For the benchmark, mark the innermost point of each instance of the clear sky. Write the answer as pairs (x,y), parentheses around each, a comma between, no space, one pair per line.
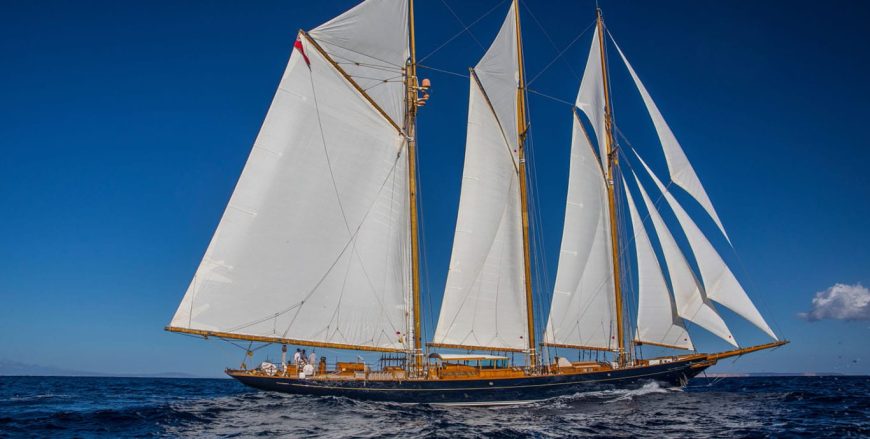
(125,126)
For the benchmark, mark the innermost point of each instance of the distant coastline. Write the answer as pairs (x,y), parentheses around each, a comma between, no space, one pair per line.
(15,368)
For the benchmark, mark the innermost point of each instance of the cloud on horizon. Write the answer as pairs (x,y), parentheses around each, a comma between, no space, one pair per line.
(840,302)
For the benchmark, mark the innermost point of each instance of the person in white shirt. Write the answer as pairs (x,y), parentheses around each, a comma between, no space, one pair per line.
(312,358)
(297,357)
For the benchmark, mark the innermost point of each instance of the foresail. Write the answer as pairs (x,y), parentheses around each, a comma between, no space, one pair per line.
(313,245)
(681,171)
(484,298)
(370,43)
(688,295)
(719,282)
(657,318)
(583,311)
(590,98)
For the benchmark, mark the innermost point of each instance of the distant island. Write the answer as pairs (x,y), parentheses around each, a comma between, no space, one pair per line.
(15,368)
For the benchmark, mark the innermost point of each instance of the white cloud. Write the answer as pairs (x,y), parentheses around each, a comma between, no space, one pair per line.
(840,302)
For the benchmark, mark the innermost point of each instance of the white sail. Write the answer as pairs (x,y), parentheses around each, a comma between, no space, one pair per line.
(583,311)
(719,282)
(484,298)
(314,243)
(681,171)
(688,296)
(370,43)
(657,319)
(590,98)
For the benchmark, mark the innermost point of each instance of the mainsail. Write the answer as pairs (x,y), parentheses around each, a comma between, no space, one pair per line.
(719,282)
(582,313)
(313,247)
(484,302)
(658,322)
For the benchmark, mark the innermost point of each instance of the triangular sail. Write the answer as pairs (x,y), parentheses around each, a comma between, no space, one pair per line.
(591,99)
(719,282)
(582,313)
(657,320)
(688,296)
(314,244)
(484,298)
(681,171)
(370,43)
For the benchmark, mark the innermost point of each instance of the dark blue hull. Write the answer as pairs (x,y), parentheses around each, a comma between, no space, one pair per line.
(482,391)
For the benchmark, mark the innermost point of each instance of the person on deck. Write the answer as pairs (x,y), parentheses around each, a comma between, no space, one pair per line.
(297,357)
(304,357)
(312,358)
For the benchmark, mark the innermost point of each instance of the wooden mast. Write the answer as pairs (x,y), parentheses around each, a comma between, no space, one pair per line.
(524,202)
(612,163)
(411,133)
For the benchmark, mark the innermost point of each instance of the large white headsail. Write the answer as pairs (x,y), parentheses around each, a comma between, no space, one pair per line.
(719,282)
(484,299)
(657,320)
(591,98)
(688,296)
(682,172)
(314,244)
(583,313)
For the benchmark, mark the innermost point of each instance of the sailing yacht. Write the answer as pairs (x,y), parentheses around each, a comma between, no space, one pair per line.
(319,245)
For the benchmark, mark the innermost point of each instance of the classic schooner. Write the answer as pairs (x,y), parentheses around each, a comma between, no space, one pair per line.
(319,246)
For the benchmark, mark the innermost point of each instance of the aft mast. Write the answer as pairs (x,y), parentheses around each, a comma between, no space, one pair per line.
(612,163)
(411,133)
(524,202)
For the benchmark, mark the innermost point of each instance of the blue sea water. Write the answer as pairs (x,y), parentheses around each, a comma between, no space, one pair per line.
(146,407)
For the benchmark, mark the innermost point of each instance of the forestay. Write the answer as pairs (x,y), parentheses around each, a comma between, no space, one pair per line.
(484,298)
(314,244)
(689,298)
(681,171)
(719,282)
(657,319)
(583,311)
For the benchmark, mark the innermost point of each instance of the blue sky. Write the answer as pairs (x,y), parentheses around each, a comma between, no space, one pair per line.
(125,126)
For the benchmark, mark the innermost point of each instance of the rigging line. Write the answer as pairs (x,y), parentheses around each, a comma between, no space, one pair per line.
(465,29)
(561,101)
(393,80)
(559,53)
(388,63)
(462,23)
(461,75)
(430,311)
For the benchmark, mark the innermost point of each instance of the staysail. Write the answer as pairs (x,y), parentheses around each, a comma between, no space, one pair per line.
(719,282)
(681,171)
(313,247)
(484,298)
(688,295)
(658,322)
(582,313)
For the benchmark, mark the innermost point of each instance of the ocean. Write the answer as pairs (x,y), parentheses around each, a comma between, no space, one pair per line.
(708,407)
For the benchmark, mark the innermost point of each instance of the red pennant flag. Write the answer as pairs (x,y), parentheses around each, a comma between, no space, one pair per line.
(298,46)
